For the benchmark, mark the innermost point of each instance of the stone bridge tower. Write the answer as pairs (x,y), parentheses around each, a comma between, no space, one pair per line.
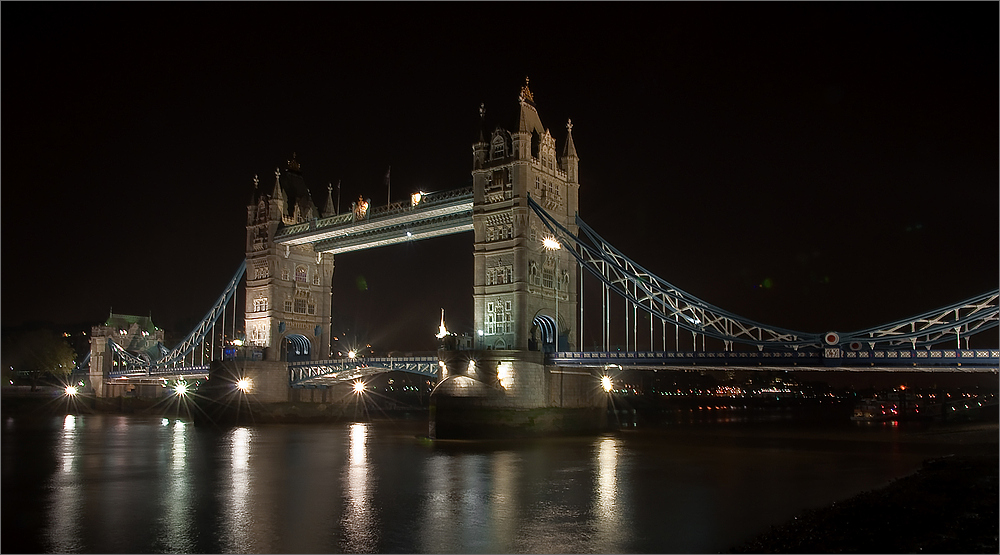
(519,283)
(289,288)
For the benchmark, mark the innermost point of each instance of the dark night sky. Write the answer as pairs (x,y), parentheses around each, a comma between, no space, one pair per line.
(846,154)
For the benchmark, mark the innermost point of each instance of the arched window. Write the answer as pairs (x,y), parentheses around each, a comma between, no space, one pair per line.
(300,274)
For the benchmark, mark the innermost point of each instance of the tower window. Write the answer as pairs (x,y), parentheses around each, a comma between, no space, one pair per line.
(547,278)
(300,274)
(288,305)
(316,278)
(260,304)
(312,309)
(284,274)
(300,306)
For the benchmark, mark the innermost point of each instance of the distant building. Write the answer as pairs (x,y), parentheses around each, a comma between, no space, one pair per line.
(135,334)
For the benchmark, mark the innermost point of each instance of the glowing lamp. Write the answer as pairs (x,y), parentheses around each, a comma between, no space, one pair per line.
(244,385)
(181,389)
(359,387)
(71,390)
(606,383)
(551,244)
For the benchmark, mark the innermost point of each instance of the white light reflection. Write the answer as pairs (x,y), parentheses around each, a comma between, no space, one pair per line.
(177,519)
(359,522)
(66,509)
(607,506)
(237,517)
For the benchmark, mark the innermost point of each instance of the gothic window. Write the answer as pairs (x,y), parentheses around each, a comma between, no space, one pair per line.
(498,317)
(533,277)
(537,188)
(260,304)
(316,277)
(547,278)
(300,306)
(498,147)
(284,274)
(312,308)
(533,234)
(288,305)
(300,274)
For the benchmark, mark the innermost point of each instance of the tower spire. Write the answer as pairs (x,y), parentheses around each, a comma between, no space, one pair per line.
(329,209)
(570,149)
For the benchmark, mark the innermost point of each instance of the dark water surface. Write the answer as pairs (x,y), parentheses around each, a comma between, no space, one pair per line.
(134,484)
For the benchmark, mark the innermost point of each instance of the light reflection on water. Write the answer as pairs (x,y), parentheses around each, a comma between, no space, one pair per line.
(360,521)
(237,514)
(177,525)
(134,484)
(67,499)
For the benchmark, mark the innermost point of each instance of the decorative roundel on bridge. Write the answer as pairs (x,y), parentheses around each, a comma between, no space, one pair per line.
(855,345)
(831,338)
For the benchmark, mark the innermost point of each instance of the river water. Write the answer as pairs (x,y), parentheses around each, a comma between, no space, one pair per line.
(138,484)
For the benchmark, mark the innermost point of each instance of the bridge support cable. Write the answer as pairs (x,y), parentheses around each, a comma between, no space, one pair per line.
(659,298)
(207,325)
(644,290)
(963,319)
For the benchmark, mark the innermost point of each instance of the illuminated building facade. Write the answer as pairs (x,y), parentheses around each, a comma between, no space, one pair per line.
(519,282)
(289,287)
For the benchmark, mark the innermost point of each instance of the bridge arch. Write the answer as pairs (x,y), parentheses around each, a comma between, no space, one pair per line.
(296,347)
(543,334)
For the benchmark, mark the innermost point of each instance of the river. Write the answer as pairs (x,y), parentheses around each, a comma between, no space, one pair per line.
(139,484)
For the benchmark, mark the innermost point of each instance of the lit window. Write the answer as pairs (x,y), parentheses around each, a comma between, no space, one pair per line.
(300,274)
(260,304)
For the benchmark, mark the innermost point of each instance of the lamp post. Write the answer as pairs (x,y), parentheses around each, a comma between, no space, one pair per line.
(551,244)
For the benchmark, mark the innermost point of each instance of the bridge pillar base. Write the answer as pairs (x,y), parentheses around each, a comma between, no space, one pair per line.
(496,393)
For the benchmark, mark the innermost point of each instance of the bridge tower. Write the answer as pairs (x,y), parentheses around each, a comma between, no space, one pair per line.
(289,287)
(519,283)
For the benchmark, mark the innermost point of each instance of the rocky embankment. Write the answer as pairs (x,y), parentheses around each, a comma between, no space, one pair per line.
(949,506)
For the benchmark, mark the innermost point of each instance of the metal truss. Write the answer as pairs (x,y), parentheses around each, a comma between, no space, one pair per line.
(327,372)
(670,304)
(663,300)
(201,331)
(953,322)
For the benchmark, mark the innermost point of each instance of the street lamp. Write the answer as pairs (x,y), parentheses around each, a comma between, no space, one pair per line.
(551,244)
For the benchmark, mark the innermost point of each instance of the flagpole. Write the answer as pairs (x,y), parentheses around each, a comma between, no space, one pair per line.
(388,192)
(338,196)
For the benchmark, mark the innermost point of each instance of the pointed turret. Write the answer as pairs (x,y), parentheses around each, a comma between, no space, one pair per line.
(329,209)
(570,161)
(529,114)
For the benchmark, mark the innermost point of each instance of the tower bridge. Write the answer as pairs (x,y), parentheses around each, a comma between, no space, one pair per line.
(532,252)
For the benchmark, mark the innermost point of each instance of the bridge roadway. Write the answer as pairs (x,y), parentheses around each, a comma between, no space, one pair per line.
(432,215)
(324,373)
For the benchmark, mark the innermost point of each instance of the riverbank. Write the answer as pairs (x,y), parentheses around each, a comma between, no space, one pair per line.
(948,506)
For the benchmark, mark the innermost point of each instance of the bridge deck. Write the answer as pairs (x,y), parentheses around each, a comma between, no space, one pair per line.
(435,215)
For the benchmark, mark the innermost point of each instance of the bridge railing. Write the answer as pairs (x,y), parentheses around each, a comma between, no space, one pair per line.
(346,369)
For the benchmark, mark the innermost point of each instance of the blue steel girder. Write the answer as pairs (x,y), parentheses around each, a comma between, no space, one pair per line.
(349,369)
(669,303)
(959,320)
(662,299)
(436,214)
(201,331)
(919,360)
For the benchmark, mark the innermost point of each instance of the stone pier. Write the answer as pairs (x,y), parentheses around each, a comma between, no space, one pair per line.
(507,393)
